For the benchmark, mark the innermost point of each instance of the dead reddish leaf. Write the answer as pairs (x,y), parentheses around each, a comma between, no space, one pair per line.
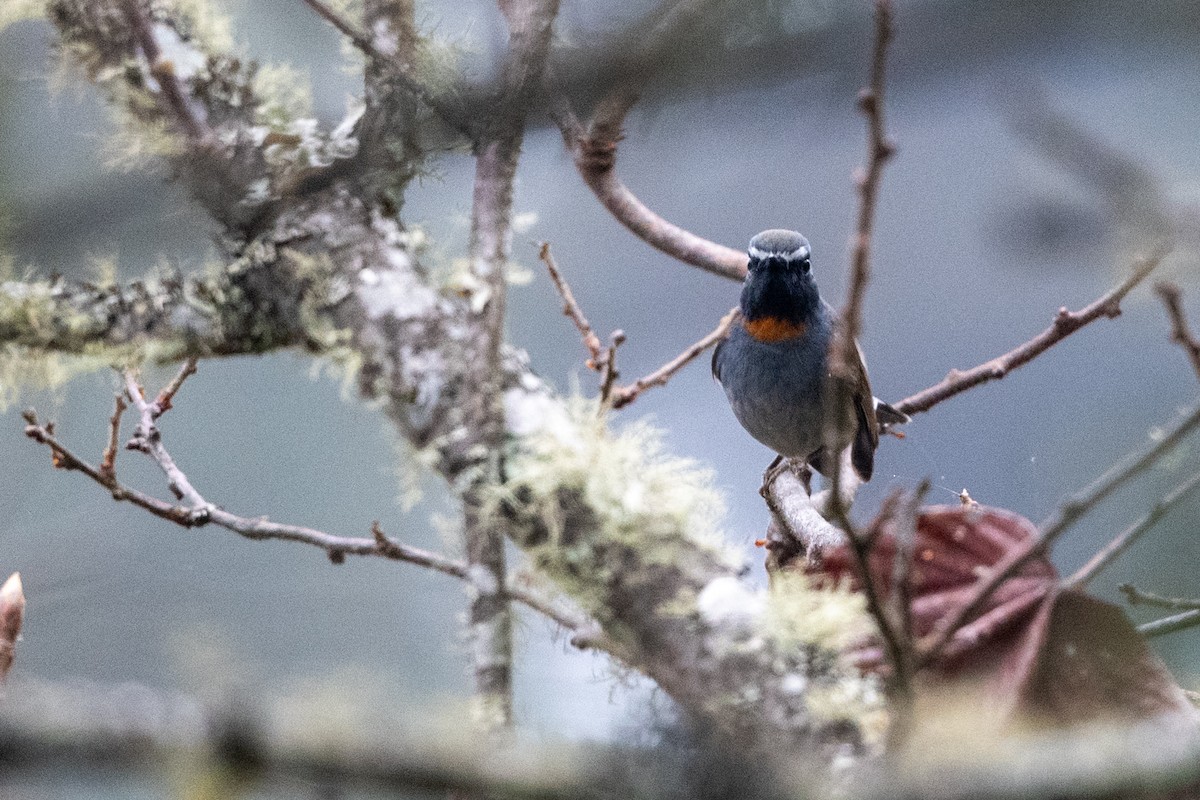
(1043,651)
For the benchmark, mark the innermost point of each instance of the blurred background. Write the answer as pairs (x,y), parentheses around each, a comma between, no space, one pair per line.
(1040,144)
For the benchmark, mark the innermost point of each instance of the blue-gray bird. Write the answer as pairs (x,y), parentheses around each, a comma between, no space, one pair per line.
(773,365)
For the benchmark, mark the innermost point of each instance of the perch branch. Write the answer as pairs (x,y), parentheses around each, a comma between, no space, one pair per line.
(1130,535)
(1065,323)
(1172,298)
(1052,528)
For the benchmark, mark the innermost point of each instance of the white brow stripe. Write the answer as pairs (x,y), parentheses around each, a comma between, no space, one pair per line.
(798,254)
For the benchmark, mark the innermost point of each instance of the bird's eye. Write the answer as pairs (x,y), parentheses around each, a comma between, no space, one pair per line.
(805,265)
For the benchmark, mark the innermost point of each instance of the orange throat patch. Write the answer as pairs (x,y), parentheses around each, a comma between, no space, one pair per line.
(774,329)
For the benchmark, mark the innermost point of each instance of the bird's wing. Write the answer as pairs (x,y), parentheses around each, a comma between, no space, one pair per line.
(716,364)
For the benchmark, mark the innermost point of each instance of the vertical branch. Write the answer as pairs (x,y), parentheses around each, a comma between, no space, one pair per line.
(496,156)
(390,145)
(845,361)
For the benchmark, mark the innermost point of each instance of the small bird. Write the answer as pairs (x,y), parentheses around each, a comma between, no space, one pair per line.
(774,363)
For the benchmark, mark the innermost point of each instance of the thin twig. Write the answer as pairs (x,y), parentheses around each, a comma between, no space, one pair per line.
(1065,323)
(624,395)
(1052,528)
(1172,624)
(163,402)
(260,529)
(1135,596)
(1181,334)
(879,150)
(108,460)
(1130,535)
(404,72)
(572,309)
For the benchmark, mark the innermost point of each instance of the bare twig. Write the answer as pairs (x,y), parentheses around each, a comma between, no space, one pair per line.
(163,402)
(1065,323)
(879,150)
(1130,535)
(845,362)
(1181,334)
(403,69)
(108,460)
(1172,624)
(571,308)
(1052,528)
(1135,596)
(624,395)
(260,529)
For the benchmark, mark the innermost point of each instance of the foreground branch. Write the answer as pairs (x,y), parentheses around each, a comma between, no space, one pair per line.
(1052,528)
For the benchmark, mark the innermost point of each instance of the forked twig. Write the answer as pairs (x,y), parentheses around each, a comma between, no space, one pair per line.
(1181,334)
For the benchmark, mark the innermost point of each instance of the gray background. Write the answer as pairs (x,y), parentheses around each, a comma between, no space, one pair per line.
(979,241)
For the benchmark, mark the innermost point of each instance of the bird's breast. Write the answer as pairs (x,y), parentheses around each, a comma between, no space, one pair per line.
(774,329)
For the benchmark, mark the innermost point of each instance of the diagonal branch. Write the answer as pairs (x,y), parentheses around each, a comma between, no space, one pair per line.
(624,395)
(1065,323)
(1130,535)
(1052,528)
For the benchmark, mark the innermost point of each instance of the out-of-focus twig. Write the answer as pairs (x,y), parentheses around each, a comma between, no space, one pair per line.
(1172,624)
(1065,323)
(178,100)
(1135,596)
(1052,528)
(1181,333)
(1124,540)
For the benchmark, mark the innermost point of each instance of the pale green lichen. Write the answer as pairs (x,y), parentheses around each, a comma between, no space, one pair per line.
(201,20)
(14,11)
(284,93)
(637,498)
(801,614)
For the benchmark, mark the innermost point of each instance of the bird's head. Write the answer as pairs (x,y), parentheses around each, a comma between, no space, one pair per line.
(780,293)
